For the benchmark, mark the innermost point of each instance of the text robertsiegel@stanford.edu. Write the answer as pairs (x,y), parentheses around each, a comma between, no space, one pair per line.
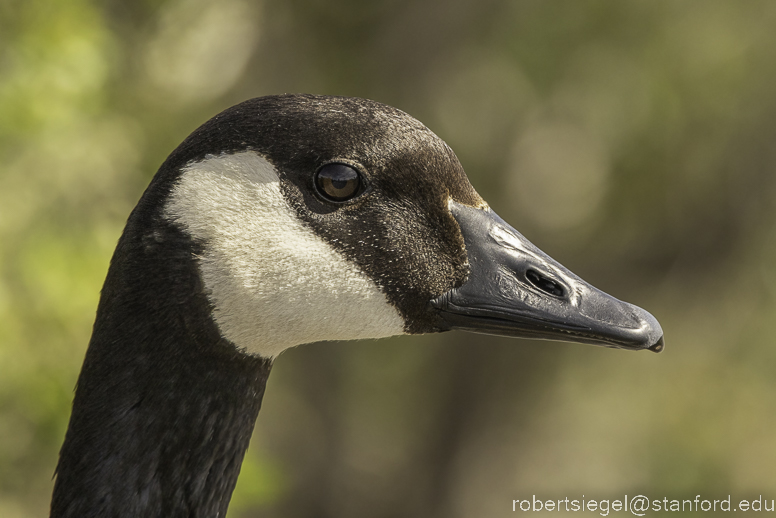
(640,505)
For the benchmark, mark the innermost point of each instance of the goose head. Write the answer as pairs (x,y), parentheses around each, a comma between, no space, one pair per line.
(327,218)
(286,220)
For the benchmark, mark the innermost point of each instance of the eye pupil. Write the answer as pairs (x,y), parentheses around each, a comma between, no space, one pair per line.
(338,182)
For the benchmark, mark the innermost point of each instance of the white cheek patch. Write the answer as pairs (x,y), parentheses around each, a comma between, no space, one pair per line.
(272,281)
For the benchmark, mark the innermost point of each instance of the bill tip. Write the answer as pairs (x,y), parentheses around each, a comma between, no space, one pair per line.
(658,346)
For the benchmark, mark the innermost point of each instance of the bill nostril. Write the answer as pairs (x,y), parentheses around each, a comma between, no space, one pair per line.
(545,284)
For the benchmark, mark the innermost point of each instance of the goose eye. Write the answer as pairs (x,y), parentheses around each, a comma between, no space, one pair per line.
(338,182)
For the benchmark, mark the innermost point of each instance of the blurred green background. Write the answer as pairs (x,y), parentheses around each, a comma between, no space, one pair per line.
(634,141)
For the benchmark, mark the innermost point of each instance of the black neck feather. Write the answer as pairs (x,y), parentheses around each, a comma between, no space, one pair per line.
(164,407)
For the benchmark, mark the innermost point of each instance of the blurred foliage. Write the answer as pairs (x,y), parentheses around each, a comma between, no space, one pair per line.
(633,141)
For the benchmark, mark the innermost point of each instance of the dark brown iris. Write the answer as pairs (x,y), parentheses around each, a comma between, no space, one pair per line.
(338,182)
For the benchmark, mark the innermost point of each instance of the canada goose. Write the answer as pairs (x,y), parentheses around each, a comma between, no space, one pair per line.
(282,221)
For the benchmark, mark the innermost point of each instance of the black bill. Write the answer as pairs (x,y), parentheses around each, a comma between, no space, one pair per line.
(515,289)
